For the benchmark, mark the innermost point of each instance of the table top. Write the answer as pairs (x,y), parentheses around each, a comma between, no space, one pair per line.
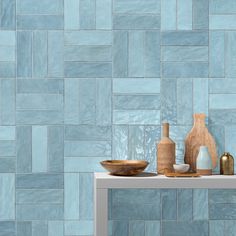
(152,180)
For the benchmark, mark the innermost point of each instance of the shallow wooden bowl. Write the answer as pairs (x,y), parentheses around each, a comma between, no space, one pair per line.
(124,167)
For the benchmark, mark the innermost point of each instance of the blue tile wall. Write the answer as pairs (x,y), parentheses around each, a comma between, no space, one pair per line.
(86,80)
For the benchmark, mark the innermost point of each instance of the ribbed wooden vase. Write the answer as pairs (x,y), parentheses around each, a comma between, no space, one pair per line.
(199,136)
(165,152)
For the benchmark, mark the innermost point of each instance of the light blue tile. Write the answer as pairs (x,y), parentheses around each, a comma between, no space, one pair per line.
(7,69)
(129,6)
(136,22)
(86,196)
(55,228)
(39,102)
(103,101)
(88,37)
(136,140)
(120,142)
(120,228)
(169,101)
(152,228)
(7,102)
(80,228)
(39,181)
(87,148)
(55,149)
(7,53)
(200,204)
(87,132)
(87,101)
(136,86)
(136,228)
(200,95)
(136,54)
(87,53)
(44,7)
(120,53)
(39,117)
(222,22)
(71,99)
(184,102)
(55,54)
(7,165)
(40,22)
(39,54)
(222,211)
(185,38)
(185,53)
(185,70)
(230,136)
(185,203)
(8,17)
(222,7)
(222,101)
(230,50)
(71,197)
(24,54)
(83,164)
(7,197)
(169,206)
(168,14)
(200,14)
(216,228)
(40,86)
(230,227)
(184,14)
(39,212)
(103,14)
(195,228)
(39,228)
(216,52)
(152,54)
(152,134)
(222,196)
(7,132)
(87,12)
(71,14)
(7,228)
(39,149)
(133,117)
(7,148)
(24,228)
(38,196)
(218,117)
(222,86)
(123,102)
(24,149)
(8,38)
(89,70)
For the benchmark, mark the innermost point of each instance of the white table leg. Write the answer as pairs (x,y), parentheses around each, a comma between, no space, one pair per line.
(100,212)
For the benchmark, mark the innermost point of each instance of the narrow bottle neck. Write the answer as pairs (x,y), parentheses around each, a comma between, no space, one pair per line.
(165,130)
(199,120)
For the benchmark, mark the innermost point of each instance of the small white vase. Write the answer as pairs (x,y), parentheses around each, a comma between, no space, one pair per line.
(204,161)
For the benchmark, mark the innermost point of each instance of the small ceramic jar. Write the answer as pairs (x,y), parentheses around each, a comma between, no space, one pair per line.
(204,162)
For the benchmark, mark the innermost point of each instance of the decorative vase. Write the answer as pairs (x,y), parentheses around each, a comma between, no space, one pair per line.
(204,162)
(199,136)
(165,152)
(226,164)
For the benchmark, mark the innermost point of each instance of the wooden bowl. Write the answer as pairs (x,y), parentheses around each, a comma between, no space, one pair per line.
(124,167)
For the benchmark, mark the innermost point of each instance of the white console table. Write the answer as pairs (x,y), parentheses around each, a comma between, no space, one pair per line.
(104,181)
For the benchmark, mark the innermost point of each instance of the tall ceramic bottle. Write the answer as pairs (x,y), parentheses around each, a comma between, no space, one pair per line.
(199,136)
(165,152)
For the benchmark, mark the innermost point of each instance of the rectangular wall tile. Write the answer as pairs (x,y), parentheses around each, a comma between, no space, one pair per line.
(152,228)
(222,7)
(120,227)
(230,50)
(39,228)
(216,228)
(200,14)
(71,14)
(7,38)
(136,228)
(82,227)
(222,86)
(222,211)
(8,18)
(7,197)
(8,228)
(185,202)
(200,198)
(222,22)
(55,228)
(103,14)
(71,197)
(222,101)
(168,14)
(87,11)
(7,165)
(169,206)
(7,53)
(184,14)
(24,228)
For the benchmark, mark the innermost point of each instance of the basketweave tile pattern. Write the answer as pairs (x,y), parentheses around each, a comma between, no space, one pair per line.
(86,80)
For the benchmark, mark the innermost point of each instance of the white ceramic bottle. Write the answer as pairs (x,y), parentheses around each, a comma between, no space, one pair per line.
(204,161)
